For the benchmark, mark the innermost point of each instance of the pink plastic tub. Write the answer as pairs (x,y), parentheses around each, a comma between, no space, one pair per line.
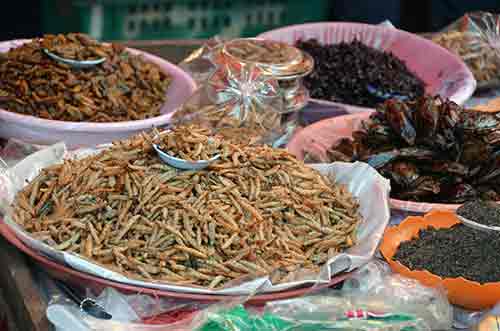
(39,131)
(443,72)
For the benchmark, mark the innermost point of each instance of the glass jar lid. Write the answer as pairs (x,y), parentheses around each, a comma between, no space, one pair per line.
(273,57)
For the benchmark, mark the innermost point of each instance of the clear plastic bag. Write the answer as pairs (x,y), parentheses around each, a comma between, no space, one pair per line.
(489,321)
(237,103)
(239,319)
(475,37)
(374,292)
(137,312)
(245,100)
(14,151)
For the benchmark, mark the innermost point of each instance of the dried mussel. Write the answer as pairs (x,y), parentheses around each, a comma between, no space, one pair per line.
(431,149)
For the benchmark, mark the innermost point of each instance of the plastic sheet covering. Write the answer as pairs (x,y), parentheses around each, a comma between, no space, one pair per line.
(361,180)
(475,37)
(239,100)
(378,292)
(129,313)
(234,317)
(239,319)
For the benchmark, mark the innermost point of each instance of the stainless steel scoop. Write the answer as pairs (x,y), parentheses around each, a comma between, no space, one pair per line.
(77,64)
(181,163)
(477,226)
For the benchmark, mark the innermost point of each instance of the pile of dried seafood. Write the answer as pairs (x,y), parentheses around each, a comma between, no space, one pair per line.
(345,72)
(190,143)
(431,150)
(74,46)
(255,211)
(125,87)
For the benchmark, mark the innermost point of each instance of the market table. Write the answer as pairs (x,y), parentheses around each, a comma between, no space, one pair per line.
(20,289)
(19,284)
(25,301)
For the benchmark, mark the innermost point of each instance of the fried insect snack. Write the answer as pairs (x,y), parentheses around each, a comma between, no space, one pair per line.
(125,87)
(190,143)
(246,128)
(256,211)
(479,56)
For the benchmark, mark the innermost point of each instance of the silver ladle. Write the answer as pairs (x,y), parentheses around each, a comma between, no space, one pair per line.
(182,163)
(77,64)
(476,225)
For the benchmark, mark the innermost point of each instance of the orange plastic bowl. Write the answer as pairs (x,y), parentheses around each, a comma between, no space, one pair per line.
(461,292)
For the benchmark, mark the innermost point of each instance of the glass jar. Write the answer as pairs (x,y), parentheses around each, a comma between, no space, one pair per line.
(284,63)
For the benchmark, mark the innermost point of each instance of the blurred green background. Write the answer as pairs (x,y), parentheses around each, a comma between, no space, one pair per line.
(185,19)
(173,19)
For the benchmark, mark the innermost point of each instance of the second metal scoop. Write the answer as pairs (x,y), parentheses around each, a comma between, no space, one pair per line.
(77,64)
(181,163)
(477,226)
(87,305)
(376,92)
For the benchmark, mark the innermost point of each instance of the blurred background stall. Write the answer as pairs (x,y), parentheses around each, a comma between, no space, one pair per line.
(185,19)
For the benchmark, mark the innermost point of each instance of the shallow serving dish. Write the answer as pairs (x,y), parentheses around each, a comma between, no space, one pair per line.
(40,131)
(443,72)
(462,292)
(362,181)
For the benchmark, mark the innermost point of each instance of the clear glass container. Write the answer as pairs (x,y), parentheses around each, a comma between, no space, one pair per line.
(283,62)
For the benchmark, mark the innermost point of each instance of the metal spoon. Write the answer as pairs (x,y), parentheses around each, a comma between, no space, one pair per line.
(86,304)
(77,64)
(376,92)
(477,226)
(181,163)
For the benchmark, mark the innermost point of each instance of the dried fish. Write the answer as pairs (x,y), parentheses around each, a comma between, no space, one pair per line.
(245,129)
(477,53)
(261,51)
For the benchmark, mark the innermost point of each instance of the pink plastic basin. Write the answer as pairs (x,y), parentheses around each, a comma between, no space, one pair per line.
(443,72)
(39,131)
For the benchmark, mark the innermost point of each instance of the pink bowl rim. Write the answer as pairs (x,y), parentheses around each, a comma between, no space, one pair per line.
(101,127)
(460,98)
